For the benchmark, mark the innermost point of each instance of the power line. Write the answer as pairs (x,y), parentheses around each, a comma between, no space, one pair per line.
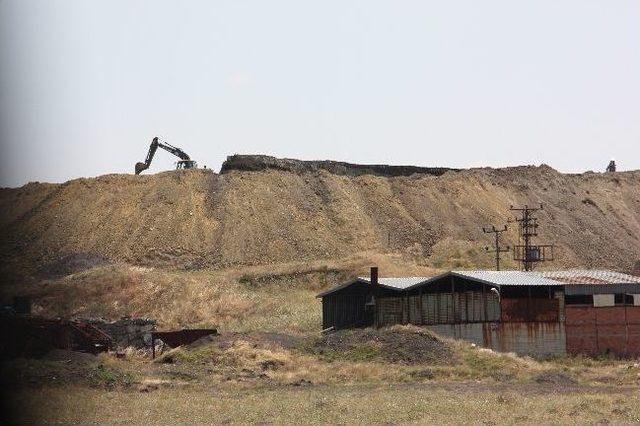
(497,249)
(527,252)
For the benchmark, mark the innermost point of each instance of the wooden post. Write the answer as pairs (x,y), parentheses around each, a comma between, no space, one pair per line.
(453,300)
(373,278)
(405,310)
(420,305)
(626,325)
(466,300)
(484,303)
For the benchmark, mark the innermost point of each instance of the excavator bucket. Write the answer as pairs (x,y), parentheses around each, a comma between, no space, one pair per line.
(140,167)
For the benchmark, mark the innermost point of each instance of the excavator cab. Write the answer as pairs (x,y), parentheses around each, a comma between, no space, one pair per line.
(186,164)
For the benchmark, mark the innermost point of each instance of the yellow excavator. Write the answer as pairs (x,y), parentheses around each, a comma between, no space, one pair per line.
(185,161)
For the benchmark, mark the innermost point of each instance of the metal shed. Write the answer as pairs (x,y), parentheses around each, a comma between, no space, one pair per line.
(540,313)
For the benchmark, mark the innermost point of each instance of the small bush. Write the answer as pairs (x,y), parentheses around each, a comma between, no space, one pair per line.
(105,377)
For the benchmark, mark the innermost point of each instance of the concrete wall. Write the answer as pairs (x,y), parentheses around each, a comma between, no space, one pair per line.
(525,338)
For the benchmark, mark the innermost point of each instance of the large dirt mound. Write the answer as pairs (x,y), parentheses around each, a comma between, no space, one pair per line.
(195,218)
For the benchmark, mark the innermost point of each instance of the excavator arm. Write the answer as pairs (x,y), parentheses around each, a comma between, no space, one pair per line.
(152,151)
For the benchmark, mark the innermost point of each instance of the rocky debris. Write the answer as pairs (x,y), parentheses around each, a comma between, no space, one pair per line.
(265,162)
(127,332)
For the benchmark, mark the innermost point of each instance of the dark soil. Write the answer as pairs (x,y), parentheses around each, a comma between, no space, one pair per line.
(405,345)
(71,264)
(74,357)
(264,162)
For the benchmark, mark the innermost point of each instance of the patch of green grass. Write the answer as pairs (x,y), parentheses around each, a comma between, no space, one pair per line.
(478,364)
(199,355)
(358,352)
(102,376)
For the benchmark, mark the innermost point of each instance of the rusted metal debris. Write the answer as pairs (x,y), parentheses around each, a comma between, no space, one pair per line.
(177,338)
(27,336)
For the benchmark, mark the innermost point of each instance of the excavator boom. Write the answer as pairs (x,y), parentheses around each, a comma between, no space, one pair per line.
(185,161)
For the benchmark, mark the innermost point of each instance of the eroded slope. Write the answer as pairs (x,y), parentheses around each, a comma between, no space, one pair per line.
(195,218)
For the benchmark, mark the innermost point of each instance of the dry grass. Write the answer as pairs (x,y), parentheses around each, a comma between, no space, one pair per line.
(268,298)
(246,379)
(344,404)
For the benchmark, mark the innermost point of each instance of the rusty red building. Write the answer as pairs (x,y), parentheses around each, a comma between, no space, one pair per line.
(539,313)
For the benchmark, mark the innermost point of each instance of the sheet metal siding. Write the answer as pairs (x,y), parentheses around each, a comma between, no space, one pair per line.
(530,310)
(525,338)
(345,310)
(596,331)
(389,310)
(438,308)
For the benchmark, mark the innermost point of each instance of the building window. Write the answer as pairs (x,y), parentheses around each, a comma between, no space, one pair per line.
(578,299)
(624,299)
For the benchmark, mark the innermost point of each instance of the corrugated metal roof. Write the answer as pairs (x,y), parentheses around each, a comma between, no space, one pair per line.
(591,277)
(554,278)
(399,283)
(507,277)
(602,289)
(577,278)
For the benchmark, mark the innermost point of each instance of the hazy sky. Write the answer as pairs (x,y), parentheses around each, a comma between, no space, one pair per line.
(85,85)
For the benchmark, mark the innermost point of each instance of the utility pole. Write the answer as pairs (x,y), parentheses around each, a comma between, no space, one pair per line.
(497,249)
(526,252)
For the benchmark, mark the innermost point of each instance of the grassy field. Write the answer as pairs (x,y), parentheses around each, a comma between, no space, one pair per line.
(459,403)
(271,365)
(359,377)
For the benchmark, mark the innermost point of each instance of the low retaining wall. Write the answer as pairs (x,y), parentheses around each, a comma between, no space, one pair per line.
(127,332)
